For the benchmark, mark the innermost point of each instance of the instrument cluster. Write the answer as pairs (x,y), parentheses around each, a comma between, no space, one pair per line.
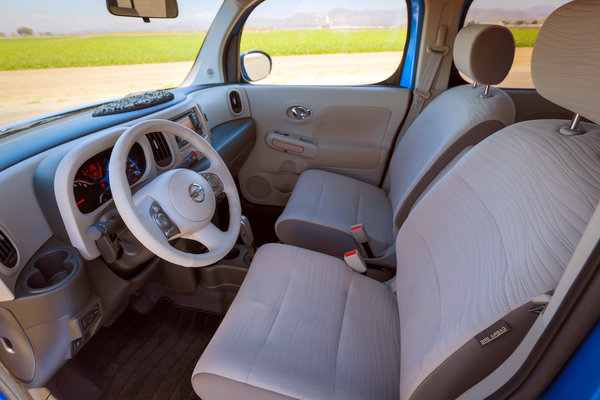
(91,185)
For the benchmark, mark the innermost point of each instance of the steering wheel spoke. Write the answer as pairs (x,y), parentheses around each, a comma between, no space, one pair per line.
(210,236)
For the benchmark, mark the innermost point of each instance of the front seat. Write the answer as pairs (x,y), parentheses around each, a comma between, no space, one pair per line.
(324,205)
(495,232)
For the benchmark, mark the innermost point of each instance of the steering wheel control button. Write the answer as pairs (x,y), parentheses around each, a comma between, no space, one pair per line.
(161,220)
(168,228)
(214,181)
(196,192)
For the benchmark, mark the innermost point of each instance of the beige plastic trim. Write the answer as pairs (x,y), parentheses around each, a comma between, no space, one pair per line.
(352,128)
(209,67)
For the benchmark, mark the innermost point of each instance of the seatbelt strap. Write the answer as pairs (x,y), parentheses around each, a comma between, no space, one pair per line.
(422,92)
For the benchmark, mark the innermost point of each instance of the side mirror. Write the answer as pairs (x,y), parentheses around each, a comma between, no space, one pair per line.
(145,9)
(256,65)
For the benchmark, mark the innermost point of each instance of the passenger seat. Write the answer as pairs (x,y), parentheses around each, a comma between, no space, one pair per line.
(324,205)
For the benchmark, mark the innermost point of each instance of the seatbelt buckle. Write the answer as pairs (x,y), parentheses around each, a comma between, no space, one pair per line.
(355,261)
(359,234)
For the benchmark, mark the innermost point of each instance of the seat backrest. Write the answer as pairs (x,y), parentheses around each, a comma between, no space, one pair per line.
(500,227)
(458,118)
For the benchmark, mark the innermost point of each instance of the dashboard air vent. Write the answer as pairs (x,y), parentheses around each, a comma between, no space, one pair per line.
(8,252)
(160,149)
(236,101)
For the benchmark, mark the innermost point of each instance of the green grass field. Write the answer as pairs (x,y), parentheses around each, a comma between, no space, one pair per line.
(80,51)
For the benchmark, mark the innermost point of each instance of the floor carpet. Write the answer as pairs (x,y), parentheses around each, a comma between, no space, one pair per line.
(148,356)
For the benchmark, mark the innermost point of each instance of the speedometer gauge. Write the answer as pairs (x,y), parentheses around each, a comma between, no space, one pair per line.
(91,186)
(133,172)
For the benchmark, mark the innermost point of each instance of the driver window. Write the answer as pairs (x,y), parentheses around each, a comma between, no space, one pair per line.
(328,42)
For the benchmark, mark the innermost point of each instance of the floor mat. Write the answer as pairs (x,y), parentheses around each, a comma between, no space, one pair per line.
(148,356)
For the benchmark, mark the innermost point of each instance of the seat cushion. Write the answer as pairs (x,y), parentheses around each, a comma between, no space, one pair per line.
(324,206)
(303,325)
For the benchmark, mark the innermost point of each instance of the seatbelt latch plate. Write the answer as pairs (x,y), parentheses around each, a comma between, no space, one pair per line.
(361,237)
(359,234)
(355,261)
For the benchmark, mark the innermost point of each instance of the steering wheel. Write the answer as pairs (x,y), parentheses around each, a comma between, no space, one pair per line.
(177,204)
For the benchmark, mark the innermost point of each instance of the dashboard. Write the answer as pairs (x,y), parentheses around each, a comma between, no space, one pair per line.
(64,190)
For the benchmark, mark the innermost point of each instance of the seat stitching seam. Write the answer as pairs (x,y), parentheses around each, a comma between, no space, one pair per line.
(274,320)
(337,352)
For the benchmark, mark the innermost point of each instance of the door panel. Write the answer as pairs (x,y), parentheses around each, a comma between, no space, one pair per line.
(348,130)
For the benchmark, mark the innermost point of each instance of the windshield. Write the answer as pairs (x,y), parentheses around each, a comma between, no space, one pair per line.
(56,56)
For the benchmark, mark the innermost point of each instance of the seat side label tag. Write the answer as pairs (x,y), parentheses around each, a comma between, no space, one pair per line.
(492,333)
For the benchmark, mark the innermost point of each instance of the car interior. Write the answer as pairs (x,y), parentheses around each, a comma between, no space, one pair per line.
(227,239)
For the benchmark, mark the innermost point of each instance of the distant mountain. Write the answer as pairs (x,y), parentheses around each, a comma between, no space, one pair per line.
(539,13)
(336,18)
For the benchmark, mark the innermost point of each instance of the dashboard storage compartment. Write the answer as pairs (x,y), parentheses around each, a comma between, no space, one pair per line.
(50,270)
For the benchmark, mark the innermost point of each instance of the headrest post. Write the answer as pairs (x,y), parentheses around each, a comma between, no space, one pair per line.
(575,121)
(486,92)
(474,85)
(574,128)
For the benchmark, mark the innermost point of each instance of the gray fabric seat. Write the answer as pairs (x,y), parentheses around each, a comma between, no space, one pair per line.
(496,231)
(324,205)
(316,305)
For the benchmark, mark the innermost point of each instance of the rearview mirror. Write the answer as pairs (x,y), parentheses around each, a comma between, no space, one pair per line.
(256,65)
(145,9)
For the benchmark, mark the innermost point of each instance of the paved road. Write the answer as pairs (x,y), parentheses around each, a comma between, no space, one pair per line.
(32,93)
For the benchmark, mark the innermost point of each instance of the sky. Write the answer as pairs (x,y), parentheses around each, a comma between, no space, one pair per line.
(86,16)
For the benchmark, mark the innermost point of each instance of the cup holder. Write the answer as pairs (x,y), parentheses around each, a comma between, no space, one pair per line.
(50,270)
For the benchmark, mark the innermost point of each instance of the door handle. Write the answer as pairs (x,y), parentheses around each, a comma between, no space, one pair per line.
(299,113)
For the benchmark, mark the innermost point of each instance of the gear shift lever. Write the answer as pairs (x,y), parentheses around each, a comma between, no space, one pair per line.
(247,236)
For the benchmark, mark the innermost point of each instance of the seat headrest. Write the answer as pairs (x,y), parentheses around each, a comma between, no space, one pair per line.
(484,53)
(565,64)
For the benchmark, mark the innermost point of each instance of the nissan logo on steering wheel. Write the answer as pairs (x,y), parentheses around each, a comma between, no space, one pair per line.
(196,193)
